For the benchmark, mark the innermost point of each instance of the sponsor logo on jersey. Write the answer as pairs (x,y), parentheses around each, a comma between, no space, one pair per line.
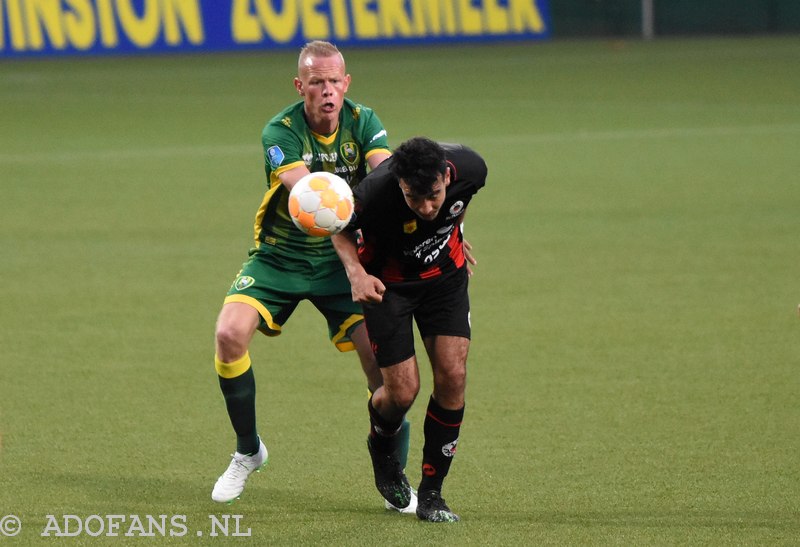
(287,121)
(324,157)
(378,135)
(430,249)
(242,282)
(276,156)
(457,207)
(445,229)
(349,152)
(449,449)
(410,227)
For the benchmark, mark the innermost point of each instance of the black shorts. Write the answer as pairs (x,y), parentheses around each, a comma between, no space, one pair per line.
(439,306)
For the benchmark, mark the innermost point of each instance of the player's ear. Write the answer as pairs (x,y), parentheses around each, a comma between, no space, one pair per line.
(298,85)
(346,82)
(447,176)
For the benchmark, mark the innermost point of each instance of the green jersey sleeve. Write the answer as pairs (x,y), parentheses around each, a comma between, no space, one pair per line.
(283,148)
(373,134)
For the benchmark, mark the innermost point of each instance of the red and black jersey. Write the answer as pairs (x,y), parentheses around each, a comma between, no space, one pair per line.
(400,247)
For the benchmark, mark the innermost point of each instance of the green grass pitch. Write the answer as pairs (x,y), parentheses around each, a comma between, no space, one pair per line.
(635,367)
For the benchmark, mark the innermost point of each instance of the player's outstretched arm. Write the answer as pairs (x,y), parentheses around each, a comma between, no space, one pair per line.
(289,178)
(364,287)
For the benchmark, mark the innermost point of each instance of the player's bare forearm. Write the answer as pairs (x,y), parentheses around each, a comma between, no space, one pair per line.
(364,287)
(345,245)
(289,178)
(376,159)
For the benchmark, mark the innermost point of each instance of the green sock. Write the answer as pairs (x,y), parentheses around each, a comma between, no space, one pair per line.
(240,399)
(403,442)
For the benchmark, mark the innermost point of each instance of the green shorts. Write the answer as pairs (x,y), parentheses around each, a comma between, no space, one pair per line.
(274,284)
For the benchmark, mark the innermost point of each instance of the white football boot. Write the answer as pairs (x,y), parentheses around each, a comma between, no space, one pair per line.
(410,509)
(230,484)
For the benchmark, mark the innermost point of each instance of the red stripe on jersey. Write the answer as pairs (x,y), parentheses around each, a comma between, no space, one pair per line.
(456,248)
(453,172)
(392,272)
(432,272)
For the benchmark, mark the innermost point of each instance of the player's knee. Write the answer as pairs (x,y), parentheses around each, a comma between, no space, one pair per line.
(403,396)
(231,342)
(404,399)
(235,327)
(452,379)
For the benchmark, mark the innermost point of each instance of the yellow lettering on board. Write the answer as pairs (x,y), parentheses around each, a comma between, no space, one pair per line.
(341,25)
(79,24)
(364,20)
(315,25)
(142,31)
(525,16)
(47,14)
(470,18)
(433,17)
(244,25)
(281,27)
(394,18)
(186,12)
(108,28)
(15,27)
(495,17)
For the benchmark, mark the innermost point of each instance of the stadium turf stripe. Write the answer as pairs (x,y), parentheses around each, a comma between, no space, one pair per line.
(164,152)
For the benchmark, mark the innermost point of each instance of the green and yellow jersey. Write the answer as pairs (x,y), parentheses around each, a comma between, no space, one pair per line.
(288,143)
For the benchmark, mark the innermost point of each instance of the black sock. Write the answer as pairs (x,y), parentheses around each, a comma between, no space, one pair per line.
(441,437)
(240,399)
(382,432)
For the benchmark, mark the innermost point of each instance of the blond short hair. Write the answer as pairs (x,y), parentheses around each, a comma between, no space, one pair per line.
(318,48)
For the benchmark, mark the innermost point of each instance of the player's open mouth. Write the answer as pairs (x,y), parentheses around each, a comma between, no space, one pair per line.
(328,107)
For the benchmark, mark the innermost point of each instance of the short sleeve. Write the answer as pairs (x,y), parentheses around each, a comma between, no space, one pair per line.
(282,149)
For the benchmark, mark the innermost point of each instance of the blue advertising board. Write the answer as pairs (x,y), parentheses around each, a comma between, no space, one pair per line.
(74,27)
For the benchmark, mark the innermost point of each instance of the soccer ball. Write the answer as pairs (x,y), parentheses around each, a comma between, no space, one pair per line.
(321,204)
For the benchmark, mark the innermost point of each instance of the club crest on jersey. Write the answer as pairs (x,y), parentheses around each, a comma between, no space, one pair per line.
(349,152)
(457,207)
(275,156)
(449,449)
(242,282)
(410,227)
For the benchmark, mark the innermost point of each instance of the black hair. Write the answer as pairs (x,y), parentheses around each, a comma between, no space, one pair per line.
(418,161)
